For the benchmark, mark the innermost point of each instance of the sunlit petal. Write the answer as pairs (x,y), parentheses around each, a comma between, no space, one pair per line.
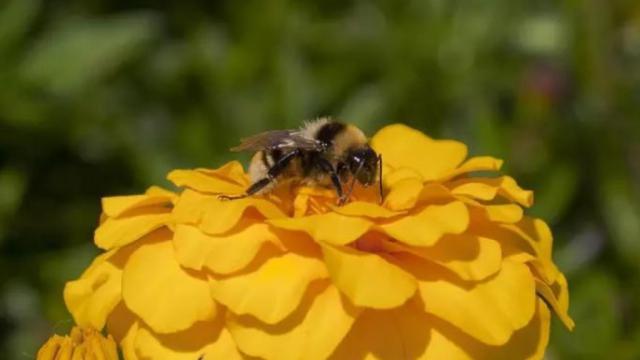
(368,279)
(402,146)
(491,310)
(167,297)
(312,332)
(427,226)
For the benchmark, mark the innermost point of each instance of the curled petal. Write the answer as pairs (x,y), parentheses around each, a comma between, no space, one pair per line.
(402,146)
(223,254)
(491,310)
(482,188)
(558,307)
(505,213)
(331,228)
(478,163)
(537,235)
(561,292)
(367,279)
(203,340)
(167,297)
(476,190)
(427,226)
(273,291)
(312,332)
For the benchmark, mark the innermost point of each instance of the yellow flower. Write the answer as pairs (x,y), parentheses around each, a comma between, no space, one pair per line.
(84,343)
(447,267)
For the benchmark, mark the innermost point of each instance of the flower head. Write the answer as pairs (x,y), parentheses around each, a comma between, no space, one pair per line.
(83,343)
(448,266)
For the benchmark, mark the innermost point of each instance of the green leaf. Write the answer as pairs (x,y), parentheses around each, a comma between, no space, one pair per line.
(80,53)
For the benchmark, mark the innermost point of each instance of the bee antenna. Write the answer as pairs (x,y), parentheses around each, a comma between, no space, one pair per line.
(381,190)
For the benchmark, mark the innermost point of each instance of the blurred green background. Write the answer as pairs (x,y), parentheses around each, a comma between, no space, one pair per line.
(103,97)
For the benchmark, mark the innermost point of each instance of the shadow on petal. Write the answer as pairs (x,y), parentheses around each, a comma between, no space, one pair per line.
(530,342)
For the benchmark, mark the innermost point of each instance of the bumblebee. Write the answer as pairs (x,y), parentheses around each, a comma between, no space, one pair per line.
(322,152)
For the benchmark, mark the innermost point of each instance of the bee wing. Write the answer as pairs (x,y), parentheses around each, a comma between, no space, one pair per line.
(277,139)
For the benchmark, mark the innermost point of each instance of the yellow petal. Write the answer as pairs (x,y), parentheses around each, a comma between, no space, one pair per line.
(427,226)
(101,348)
(91,298)
(478,163)
(332,228)
(506,213)
(164,295)
(368,279)
(221,254)
(511,190)
(475,190)
(434,193)
(365,209)
(560,309)
(203,340)
(392,176)
(115,206)
(529,343)
(205,183)
(232,171)
(273,291)
(51,348)
(538,236)
(469,257)
(124,325)
(312,332)
(529,240)
(489,311)
(499,213)
(401,333)
(118,232)
(481,188)
(404,194)
(402,146)
(561,292)
(215,216)
(159,191)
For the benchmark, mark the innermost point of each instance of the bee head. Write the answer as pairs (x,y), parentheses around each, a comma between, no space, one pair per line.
(363,164)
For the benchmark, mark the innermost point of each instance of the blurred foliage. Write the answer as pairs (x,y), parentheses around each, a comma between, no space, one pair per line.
(103,97)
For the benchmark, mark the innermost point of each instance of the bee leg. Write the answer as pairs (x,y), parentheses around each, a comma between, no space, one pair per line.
(254,188)
(273,172)
(326,166)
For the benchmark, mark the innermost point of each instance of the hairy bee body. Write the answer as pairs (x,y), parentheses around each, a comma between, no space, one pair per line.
(323,152)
